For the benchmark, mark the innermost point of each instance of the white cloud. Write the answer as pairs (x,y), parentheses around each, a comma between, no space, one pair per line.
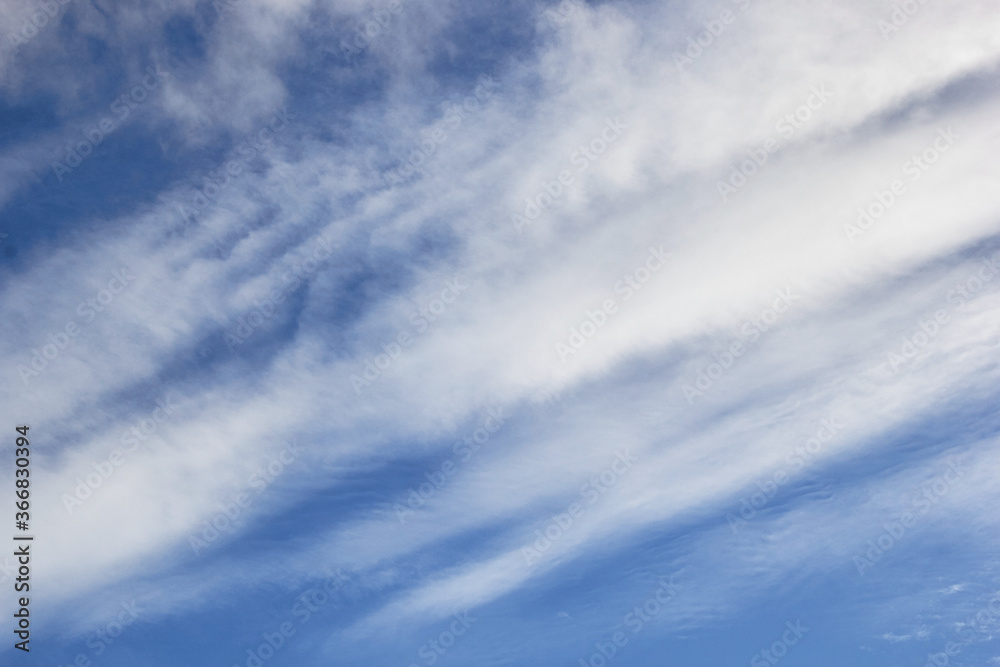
(655,186)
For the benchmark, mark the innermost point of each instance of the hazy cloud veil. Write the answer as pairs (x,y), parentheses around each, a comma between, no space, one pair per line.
(523,333)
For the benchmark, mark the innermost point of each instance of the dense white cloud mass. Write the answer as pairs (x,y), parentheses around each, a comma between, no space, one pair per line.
(517,312)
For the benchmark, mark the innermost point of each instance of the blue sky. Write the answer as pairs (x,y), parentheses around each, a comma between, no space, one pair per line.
(526,333)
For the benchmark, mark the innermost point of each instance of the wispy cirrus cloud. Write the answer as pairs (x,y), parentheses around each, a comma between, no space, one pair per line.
(590,155)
